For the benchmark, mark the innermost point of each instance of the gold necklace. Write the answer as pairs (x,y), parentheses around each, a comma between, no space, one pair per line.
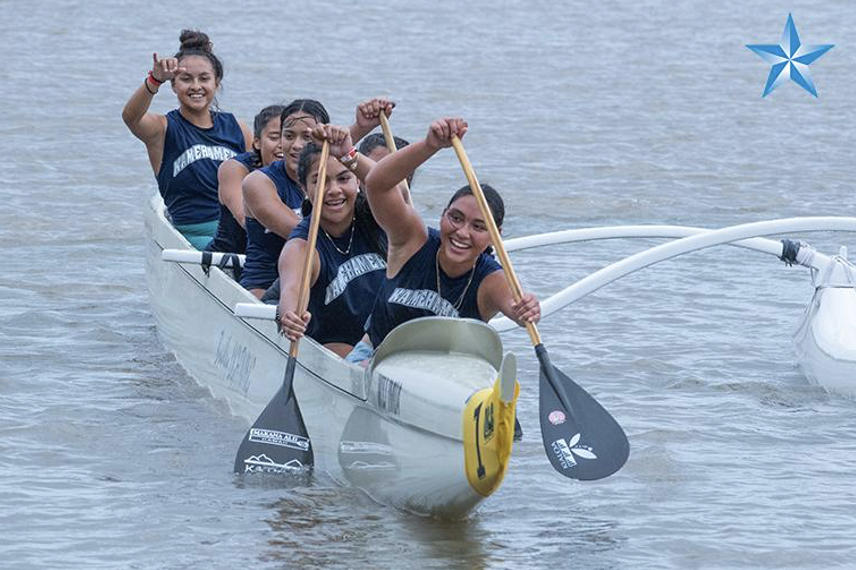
(350,241)
(457,305)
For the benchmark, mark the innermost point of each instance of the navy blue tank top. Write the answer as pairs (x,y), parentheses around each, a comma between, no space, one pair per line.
(342,297)
(412,293)
(231,237)
(264,246)
(187,179)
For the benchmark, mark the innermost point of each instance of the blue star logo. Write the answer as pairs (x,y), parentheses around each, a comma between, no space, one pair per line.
(790,56)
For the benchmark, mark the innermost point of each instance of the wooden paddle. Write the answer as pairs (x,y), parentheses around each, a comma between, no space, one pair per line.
(582,440)
(390,145)
(278,442)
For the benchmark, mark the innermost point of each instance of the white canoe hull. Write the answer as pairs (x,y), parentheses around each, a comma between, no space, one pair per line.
(825,341)
(394,431)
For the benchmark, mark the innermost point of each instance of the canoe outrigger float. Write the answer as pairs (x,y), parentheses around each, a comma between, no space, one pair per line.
(427,428)
(825,340)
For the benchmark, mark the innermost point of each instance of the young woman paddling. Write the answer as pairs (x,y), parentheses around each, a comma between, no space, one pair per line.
(231,236)
(187,144)
(350,254)
(272,195)
(445,272)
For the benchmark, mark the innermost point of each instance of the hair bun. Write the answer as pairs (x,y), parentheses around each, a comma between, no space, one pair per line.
(194,39)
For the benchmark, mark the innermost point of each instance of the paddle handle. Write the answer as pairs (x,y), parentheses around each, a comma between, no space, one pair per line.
(508,269)
(312,238)
(390,146)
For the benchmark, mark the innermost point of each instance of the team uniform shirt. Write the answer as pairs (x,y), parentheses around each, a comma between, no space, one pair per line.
(231,237)
(342,297)
(187,179)
(263,245)
(412,293)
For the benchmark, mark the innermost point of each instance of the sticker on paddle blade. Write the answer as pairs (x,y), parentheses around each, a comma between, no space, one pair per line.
(556,417)
(567,452)
(281,438)
(263,464)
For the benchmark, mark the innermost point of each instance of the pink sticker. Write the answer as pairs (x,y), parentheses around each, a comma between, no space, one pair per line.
(556,417)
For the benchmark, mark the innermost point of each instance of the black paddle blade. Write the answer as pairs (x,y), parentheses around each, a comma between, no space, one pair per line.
(277,442)
(582,440)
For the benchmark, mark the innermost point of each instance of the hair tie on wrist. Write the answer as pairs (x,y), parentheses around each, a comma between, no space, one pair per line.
(146,83)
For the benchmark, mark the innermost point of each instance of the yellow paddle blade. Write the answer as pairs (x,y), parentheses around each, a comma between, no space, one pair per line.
(489,432)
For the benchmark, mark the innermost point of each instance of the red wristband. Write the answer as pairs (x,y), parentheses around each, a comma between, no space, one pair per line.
(154,79)
(350,155)
(350,159)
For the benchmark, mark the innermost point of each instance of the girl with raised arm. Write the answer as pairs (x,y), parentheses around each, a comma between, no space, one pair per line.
(350,253)
(446,271)
(187,145)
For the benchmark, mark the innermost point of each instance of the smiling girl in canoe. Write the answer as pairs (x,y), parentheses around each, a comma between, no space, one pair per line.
(231,233)
(187,144)
(272,196)
(350,253)
(446,272)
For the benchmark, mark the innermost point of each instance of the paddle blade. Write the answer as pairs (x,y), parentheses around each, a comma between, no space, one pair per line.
(277,442)
(582,440)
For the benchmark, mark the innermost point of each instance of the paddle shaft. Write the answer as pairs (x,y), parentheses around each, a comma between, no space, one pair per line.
(390,146)
(508,269)
(314,223)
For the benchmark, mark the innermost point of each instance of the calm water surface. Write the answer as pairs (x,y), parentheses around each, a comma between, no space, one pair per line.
(582,114)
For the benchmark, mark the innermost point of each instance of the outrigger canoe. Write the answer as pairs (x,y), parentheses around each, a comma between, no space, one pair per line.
(427,428)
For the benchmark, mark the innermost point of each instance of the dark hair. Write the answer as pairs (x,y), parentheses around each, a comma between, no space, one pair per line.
(375,140)
(363,218)
(264,117)
(494,202)
(308,106)
(259,124)
(194,42)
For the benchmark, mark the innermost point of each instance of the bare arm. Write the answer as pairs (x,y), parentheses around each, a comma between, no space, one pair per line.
(230,176)
(248,136)
(290,263)
(402,224)
(494,296)
(262,202)
(150,127)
